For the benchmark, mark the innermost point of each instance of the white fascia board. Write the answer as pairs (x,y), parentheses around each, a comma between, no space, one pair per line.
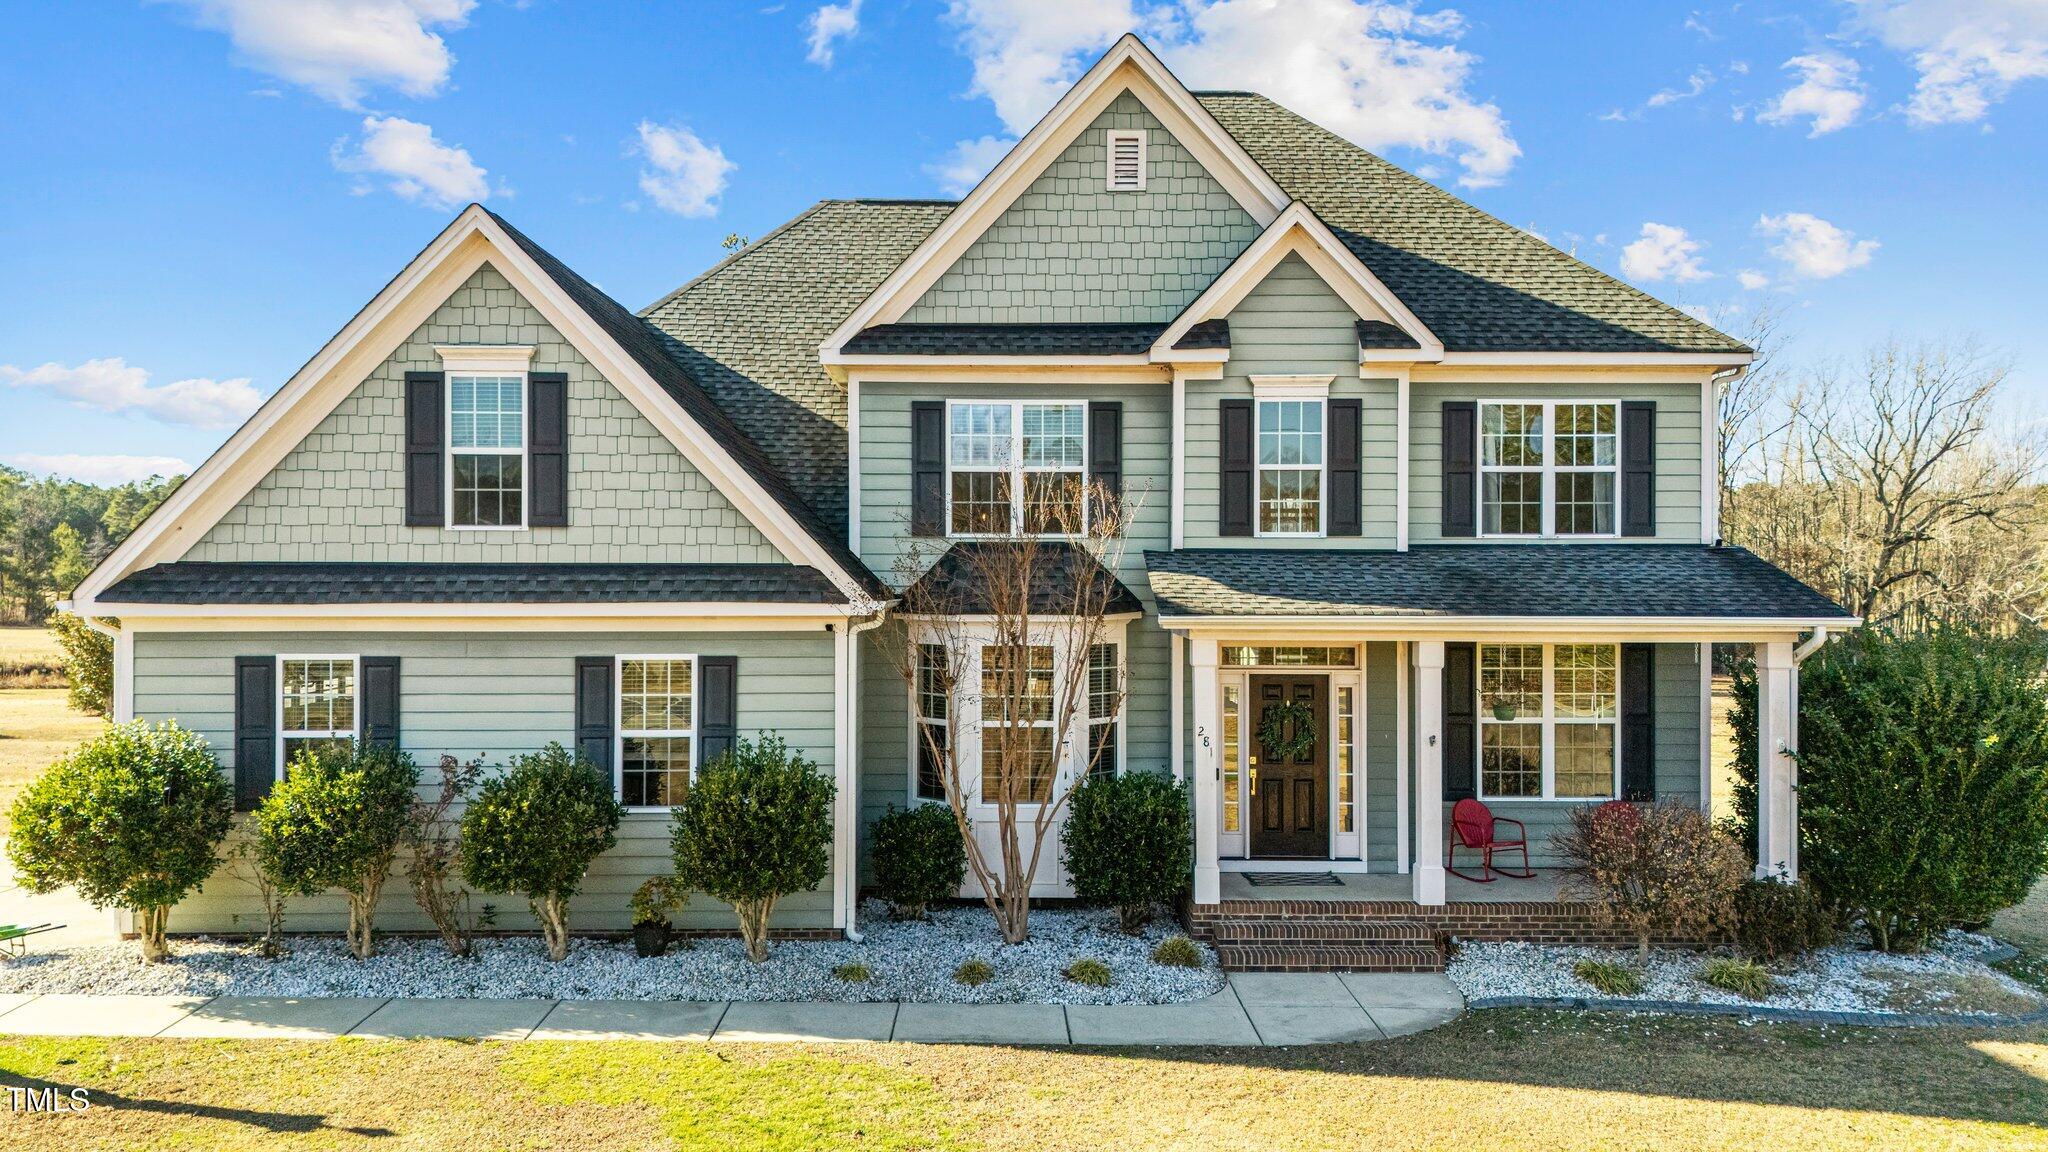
(456,609)
(1601,359)
(867,360)
(1299,231)
(1674,628)
(1127,64)
(1012,370)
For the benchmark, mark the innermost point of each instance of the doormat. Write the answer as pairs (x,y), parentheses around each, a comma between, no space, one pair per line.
(1293,879)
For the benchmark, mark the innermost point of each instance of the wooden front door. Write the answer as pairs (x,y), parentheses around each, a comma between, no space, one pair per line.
(1290,796)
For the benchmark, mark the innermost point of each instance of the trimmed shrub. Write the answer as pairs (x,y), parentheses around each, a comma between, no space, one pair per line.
(1777,921)
(1178,952)
(1923,777)
(852,972)
(757,826)
(1091,972)
(1609,978)
(1128,843)
(433,856)
(88,663)
(1662,870)
(336,821)
(919,857)
(536,829)
(974,973)
(1745,978)
(131,819)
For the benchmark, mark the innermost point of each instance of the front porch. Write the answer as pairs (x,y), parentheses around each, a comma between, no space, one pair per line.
(1387,887)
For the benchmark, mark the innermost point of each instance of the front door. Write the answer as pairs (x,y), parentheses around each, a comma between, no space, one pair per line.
(1290,767)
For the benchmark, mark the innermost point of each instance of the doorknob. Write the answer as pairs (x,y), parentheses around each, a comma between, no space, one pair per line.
(1255,781)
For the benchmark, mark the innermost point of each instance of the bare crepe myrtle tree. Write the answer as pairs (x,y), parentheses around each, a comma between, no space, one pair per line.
(1002,629)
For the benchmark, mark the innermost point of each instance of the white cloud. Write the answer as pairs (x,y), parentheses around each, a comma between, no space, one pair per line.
(101,470)
(969,161)
(1970,54)
(1663,252)
(338,49)
(1700,80)
(684,175)
(1830,93)
(830,23)
(1378,72)
(1752,280)
(1813,248)
(113,385)
(417,166)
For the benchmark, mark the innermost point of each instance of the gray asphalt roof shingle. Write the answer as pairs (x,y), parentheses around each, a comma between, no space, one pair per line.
(957,579)
(1380,334)
(1509,580)
(1006,339)
(197,582)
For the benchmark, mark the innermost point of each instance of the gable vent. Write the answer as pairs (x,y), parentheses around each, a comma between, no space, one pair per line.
(1126,161)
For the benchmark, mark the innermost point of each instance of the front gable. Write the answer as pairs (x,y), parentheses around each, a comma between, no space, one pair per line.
(339,495)
(1069,250)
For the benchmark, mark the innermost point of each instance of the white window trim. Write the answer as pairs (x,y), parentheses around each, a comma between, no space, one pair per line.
(1110,139)
(918,722)
(619,723)
(1018,470)
(485,359)
(1316,388)
(1549,472)
(355,711)
(1235,847)
(1549,723)
(448,438)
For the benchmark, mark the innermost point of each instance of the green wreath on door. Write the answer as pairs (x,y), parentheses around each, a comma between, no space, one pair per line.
(1287,730)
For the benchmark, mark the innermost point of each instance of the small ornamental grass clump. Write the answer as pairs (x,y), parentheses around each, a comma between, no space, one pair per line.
(919,857)
(131,819)
(1609,978)
(974,973)
(1129,844)
(536,829)
(1656,871)
(852,972)
(1745,978)
(757,826)
(1091,972)
(336,821)
(1178,952)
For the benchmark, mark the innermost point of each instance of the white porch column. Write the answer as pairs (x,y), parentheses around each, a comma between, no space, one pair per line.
(1208,734)
(1428,876)
(1777,736)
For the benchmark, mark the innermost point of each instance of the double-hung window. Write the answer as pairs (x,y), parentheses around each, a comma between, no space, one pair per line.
(1105,707)
(317,705)
(656,730)
(1290,460)
(1016,712)
(1016,467)
(1548,468)
(1548,721)
(486,450)
(933,732)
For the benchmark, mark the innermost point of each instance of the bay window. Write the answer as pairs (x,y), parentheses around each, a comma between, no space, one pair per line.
(933,733)
(1548,468)
(1105,700)
(1016,467)
(1549,721)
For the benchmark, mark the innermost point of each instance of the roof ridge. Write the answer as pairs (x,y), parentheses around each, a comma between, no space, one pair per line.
(733,258)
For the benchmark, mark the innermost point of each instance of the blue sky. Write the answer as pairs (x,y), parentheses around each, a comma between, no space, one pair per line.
(198,193)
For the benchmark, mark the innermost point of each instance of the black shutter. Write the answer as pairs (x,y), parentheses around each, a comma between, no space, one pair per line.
(718,700)
(1234,497)
(255,729)
(547,449)
(379,692)
(1461,468)
(423,449)
(927,468)
(1638,722)
(1639,468)
(1347,474)
(1461,719)
(1106,452)
(594,712)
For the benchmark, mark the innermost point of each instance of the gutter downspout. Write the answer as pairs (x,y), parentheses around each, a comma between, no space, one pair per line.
(852,877)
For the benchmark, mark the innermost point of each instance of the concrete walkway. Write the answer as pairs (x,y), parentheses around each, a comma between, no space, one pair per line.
(1253,1009)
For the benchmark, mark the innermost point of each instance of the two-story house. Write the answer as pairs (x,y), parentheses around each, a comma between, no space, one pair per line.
(1395,466)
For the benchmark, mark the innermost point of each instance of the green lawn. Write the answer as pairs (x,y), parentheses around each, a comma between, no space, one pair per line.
(1494,1079)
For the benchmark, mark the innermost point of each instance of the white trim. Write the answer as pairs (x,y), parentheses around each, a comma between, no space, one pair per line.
(355,708)
(1721,629)
(1703,655)
(725,609)
(1402,756)
(124,675)
(450,451)
(1176,687)
(1298,231)
(619,722)
(894,360)
(853,479)
(1177,462)
(1402,399)
(1710,458)
(1128,64)
(485,359)
(1291,390)
(1597,359)
(845,672)
(1548,471)
(1113,137)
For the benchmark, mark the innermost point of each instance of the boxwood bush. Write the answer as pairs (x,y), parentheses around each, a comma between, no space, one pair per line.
(336,821)
(919,857)
(1923,776)
(1128,843)
(131,819)
(757,826)
(536,829)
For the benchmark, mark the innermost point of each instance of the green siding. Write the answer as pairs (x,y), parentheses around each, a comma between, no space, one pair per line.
(1382,754)
(340,495)
(1678,450)
(1068,250)
(1292,323)
(493,696)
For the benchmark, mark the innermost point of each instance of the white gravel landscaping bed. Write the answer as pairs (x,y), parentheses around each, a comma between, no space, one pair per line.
(907,961)
(1845,978)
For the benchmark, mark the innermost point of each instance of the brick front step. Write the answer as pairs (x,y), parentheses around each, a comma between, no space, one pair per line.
(1329,958)
(1236,930)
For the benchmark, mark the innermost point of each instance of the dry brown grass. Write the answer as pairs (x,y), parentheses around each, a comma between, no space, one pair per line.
(1495,1079)
(36,728)
(1721,746)
(30,658)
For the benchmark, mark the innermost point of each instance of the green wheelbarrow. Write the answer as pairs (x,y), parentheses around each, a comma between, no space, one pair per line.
(14,937)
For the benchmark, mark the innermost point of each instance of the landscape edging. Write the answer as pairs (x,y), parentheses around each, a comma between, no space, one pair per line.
(1765,1012)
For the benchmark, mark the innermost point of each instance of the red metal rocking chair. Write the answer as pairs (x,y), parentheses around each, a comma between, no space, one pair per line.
(1475,827)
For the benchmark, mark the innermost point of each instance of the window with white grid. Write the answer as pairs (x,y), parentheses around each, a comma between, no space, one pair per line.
(657,729)
(1290,467)
(1016,712)
(1105,708)
(317,705)
(1016,467)
(486,450)
(1549,468)
(1549,721)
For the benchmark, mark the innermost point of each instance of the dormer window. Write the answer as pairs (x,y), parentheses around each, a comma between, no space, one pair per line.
(1127,161)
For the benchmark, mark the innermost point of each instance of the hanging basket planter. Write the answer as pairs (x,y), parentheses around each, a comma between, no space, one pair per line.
(1287,730)
(1504,711)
